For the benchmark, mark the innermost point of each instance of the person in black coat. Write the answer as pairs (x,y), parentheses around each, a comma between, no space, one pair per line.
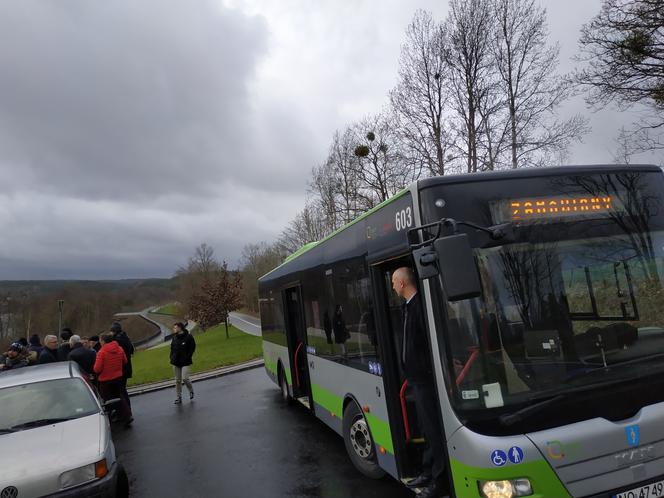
(65,348)
(121,337)
(49,354)
(35,345)
(340,331)
(415,358)
(94,344)
(83,356)
(183,346)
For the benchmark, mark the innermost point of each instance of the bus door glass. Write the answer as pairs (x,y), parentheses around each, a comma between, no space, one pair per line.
(297,346)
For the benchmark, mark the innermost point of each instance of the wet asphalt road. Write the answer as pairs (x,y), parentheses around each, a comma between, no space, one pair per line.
(238,440)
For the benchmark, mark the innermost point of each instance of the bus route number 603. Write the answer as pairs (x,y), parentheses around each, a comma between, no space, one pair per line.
(403,219)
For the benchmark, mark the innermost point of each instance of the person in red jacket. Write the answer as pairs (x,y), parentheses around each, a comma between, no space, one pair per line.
(108,366)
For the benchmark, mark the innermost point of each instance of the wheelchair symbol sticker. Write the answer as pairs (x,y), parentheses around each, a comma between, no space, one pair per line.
(498,458)
(515,454)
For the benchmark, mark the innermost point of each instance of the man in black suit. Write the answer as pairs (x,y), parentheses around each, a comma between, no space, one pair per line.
(416,363)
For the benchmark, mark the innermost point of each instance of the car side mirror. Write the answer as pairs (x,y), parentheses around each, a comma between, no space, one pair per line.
(108,405)
(457,267)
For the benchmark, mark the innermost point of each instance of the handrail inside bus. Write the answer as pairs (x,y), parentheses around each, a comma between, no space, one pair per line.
(297,370)
(473,356)
(404,411)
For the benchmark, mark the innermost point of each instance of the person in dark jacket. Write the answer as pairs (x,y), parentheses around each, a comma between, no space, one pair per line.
(340,331)
(93,342)
(183,346)
(123,340)
(83,356)
(415,358)
(35,345)
(17,356)
(49,354)
(65,348)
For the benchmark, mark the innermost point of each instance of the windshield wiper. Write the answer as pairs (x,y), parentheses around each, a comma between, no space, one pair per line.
(609,368)
(6,431)
(39,423)
(519,415)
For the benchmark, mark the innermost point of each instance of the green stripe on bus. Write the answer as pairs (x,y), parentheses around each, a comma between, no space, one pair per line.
(380,429)
(544,480)
(272,367)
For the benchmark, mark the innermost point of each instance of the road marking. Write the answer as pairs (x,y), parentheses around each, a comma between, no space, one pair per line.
(235,317)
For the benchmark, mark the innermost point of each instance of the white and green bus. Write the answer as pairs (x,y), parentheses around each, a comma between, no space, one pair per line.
(543,292)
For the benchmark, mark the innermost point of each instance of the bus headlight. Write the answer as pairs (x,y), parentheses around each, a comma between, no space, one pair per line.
(506,489)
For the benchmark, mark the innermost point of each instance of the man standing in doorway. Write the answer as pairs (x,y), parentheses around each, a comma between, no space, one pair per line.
(416,363)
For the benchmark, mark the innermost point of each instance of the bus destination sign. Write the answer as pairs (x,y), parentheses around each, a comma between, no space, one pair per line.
(552,208)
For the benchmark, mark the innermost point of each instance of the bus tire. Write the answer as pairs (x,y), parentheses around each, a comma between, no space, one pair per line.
(283,386)
(359,443)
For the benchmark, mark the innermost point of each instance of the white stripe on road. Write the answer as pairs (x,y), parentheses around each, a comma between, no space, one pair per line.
(235,317)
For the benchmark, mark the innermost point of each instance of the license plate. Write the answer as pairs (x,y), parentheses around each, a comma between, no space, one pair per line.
(652,490)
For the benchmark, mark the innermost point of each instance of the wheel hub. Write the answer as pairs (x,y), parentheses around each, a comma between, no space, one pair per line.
(360,438)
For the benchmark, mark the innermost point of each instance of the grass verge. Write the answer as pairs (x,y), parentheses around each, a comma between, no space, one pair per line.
(213,350)
(169,309)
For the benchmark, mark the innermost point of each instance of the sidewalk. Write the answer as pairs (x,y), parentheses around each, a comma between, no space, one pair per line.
(170,383)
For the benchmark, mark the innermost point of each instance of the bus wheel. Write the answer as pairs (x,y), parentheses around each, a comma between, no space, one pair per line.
(359,444)
(283,385)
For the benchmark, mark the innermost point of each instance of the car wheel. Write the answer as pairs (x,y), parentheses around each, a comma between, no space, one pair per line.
(122,485)
(359,443)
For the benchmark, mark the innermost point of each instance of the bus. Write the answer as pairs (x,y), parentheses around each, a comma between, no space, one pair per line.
(543,294)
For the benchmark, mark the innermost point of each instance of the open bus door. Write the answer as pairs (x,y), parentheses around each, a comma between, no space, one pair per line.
(408,442)
(297,345)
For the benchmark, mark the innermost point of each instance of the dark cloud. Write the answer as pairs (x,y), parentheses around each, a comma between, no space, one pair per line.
(125,99)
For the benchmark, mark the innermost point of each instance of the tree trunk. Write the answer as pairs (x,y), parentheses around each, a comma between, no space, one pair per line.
(226,324)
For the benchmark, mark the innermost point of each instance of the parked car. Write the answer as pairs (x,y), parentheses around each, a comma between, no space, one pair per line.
(55,436)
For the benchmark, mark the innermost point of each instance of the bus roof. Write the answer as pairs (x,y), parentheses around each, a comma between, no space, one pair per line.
(475,177)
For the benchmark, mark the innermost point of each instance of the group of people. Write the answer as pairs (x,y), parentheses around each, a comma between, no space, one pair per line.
(105,360)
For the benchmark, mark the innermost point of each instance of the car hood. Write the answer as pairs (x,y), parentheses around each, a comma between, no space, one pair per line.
(41,454)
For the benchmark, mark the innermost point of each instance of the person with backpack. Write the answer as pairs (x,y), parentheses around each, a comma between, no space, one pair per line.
(183,346)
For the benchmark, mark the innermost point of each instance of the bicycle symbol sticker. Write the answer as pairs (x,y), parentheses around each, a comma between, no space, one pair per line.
(498,458)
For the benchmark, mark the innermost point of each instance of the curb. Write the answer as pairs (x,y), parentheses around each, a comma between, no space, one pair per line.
(219,372)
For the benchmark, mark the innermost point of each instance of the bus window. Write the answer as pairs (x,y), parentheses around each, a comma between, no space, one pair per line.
(552,312)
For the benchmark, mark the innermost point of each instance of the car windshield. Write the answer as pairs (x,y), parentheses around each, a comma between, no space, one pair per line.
(557,316)
(38,403)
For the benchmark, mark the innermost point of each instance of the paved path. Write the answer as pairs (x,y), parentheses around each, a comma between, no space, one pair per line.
(157,339)
(245,323)
(237,439)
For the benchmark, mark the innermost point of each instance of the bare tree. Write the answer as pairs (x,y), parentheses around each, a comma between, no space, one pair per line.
(468,35)
(623,48)
(219,294)
(383,170)
(199,269)
(420,98)
(336,182)
(309,225)
(257,260)
(532,89)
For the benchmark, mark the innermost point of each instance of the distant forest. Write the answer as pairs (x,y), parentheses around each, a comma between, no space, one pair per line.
(31,307)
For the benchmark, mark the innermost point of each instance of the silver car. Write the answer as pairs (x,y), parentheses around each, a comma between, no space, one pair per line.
(55,436)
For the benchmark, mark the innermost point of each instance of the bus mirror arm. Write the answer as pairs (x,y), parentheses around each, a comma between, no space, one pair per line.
(496,232)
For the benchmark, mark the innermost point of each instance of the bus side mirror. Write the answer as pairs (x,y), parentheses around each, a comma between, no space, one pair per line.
(457,267)
(426,262)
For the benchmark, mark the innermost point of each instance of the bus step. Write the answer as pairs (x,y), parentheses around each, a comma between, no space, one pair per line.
(305,401)
(417,491)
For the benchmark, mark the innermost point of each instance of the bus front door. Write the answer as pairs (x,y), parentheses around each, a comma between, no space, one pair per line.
(297,345)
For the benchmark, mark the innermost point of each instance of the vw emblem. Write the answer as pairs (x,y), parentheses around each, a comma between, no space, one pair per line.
(9,492)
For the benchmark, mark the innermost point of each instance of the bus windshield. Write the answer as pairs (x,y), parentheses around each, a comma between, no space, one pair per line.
(555,316)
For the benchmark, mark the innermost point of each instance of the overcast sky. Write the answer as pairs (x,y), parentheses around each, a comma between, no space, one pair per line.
(133,130)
